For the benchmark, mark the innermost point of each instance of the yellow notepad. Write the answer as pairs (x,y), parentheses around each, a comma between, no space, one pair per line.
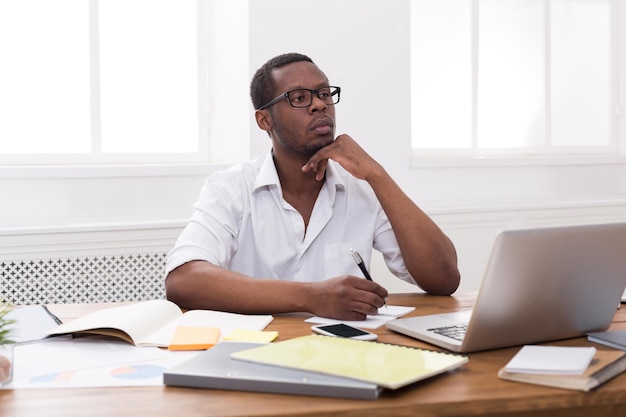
(389,366)
(194,338)
(243,335)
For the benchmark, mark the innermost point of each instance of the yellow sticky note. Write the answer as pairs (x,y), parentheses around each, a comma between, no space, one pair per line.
(194,338)
(242,335)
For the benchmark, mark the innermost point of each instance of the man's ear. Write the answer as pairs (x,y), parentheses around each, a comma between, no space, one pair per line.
(263,120)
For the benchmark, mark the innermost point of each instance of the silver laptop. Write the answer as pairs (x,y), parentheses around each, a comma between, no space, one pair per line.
(540,285)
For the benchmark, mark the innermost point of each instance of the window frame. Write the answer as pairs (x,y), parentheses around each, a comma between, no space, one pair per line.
(219,20)
(613,153)
(95,156)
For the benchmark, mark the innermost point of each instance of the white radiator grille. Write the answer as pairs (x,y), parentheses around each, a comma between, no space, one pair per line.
(83,280)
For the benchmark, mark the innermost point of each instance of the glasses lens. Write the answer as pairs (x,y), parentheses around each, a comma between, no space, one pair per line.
(326,95)
(330,95)
(300,98)
(304,98)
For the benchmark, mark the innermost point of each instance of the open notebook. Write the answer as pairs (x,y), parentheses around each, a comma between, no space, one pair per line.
(540,285)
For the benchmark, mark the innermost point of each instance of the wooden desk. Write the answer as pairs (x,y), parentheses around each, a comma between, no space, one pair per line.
(474,390)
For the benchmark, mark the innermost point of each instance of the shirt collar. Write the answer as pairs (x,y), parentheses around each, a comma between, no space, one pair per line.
(268,176)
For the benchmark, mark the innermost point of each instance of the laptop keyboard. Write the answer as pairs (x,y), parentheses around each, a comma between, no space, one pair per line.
(456,332)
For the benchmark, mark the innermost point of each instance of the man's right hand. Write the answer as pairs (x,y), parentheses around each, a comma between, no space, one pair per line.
(346,298)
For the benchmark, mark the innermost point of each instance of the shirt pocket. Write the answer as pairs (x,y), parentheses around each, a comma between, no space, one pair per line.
(338,259)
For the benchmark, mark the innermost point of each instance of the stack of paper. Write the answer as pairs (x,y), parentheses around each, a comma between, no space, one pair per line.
(564,367)
(551,360)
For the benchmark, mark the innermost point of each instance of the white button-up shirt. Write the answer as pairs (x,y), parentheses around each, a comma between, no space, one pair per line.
(242,223)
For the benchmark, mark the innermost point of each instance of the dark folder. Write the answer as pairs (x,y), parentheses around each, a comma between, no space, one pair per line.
(216,370)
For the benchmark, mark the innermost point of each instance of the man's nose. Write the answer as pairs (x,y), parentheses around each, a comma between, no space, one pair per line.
(317,104)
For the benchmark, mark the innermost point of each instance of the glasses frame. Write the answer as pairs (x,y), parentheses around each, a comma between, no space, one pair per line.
(336,92)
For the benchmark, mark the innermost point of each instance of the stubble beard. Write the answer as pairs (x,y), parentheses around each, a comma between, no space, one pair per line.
(288,140)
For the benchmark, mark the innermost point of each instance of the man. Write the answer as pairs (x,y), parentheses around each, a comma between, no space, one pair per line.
(274,235)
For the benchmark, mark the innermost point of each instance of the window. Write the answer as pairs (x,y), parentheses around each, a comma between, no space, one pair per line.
(103,81)
(513,77)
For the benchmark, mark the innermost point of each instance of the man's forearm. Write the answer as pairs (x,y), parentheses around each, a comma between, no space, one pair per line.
(428,253)
(202,285)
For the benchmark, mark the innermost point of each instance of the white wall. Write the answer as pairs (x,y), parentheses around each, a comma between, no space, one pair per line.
(364,44)
(359,44)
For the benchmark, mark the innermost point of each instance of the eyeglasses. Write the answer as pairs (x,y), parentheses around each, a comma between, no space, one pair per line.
(303,97)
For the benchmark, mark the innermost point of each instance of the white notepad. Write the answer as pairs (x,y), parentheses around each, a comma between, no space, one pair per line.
(385,314)
(551,360)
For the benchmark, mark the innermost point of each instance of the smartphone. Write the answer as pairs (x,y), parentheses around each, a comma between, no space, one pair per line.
(343,330)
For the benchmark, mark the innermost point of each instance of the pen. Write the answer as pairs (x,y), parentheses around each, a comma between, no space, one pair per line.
(55,318)
(359,261)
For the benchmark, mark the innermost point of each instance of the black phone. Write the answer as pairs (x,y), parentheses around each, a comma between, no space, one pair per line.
(344,330)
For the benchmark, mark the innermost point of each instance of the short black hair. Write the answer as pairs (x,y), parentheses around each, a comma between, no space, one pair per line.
(263,86)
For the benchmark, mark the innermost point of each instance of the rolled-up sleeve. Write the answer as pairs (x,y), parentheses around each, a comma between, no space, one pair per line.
(385,241)
(211,234)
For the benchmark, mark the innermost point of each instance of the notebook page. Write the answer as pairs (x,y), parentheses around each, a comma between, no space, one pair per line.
(385,314)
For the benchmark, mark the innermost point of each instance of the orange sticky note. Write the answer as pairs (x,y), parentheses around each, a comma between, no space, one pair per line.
(194,338)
